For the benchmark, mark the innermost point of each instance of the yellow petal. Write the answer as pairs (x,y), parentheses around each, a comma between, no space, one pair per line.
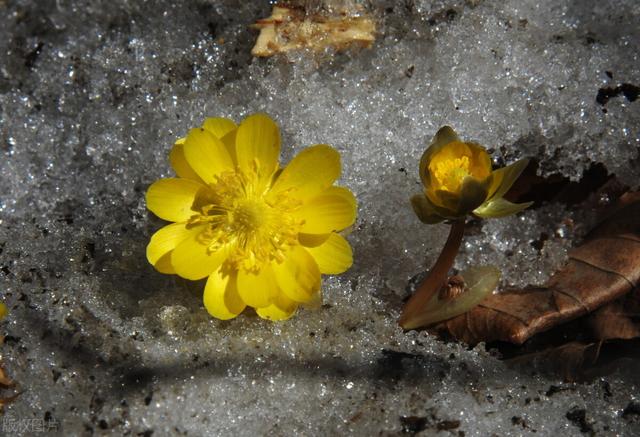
(332,210)
(3,310)
(480,164)
(163,242)
(282,308)
(444,136)
(312,171)
(312,240)
(425,210)
(258,289)
(206,154)
(171,199)
(455,205)
(499,207)
(298,275)
(192,259)
(334,256)
(221,298)
(258,142)
(503,178)
(163,265)
(443,202)
(229,141)
(180,164)
(472,194)
(219,126)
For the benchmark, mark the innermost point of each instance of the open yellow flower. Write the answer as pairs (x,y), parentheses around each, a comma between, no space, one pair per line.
(261,234)
(458,180)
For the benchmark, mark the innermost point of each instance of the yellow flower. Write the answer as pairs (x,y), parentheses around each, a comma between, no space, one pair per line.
(261,234)
(458,180)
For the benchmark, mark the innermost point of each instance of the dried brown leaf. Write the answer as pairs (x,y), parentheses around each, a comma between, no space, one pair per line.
(615,320)
(4,380)
(6,401)
(569,360)
(604,268)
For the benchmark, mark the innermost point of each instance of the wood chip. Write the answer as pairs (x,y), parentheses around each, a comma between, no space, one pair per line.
(291,29)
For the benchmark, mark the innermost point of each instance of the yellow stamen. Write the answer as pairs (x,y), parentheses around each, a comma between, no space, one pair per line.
(238,215)
(450,173)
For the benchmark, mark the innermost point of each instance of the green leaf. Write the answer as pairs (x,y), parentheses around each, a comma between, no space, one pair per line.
(504,178)
(499,207)
(480,281)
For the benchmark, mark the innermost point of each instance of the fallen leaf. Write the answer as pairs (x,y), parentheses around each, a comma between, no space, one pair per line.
(602,269)
(6,401)
(569,360)
(615,320)
(4,380)
(579,360)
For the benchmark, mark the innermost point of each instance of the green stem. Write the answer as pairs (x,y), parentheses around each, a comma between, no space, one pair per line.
(434,280)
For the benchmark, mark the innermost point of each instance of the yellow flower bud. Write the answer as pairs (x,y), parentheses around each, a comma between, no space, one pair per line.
(458,180)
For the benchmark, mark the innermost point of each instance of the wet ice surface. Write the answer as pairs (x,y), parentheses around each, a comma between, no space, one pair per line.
(92,94)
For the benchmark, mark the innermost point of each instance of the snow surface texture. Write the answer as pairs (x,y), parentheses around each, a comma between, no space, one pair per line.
(92,95)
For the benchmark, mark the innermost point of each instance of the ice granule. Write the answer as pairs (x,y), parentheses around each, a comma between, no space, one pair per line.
(93,94)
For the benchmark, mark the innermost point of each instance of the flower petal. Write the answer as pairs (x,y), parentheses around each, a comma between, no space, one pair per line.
(221,298)
(444,136)
(258,289)
(282,308)
(192,259)
(258,140)
(163,265)
(171,199)
(219,126)
(443,202)
(425,210)
(334,256)
(298,275)
(472,194)
(229,141)
(503,178)
(480,162)
(163,242)
(332,210)
(312,240)
(180,164)
(499,207)
(312,171)
(206,154)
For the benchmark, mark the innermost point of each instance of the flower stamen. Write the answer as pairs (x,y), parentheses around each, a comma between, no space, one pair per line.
(451,172)
(238,215)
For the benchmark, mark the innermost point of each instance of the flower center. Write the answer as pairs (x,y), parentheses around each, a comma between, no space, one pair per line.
(451,172)
(240,219)
(249,216)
